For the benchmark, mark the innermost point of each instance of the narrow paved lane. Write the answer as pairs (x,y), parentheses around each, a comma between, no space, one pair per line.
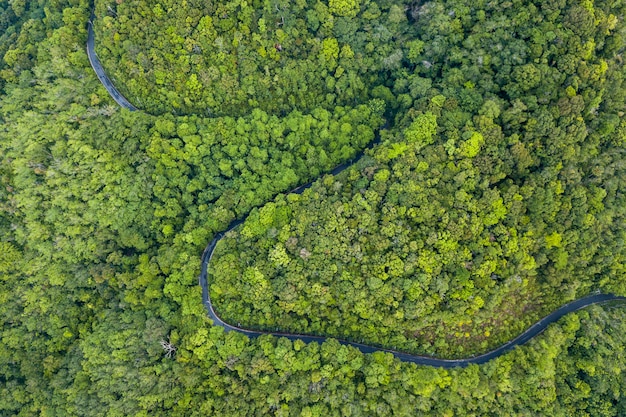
(531,332)
(102,76)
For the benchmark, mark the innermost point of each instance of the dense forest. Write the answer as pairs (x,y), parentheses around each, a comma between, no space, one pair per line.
(494,196)
(225,58)
(498,198)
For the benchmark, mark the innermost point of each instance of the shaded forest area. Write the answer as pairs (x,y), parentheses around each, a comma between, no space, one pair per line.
(104,214)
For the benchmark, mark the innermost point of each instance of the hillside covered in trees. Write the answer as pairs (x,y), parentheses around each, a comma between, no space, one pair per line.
(495,195)
(498,198)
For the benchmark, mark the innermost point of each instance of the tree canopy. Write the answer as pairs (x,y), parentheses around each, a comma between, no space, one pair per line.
(493,201)
(227,58)
(495,194)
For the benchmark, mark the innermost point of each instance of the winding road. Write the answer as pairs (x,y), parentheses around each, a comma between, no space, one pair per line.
(531,332)
(102,76)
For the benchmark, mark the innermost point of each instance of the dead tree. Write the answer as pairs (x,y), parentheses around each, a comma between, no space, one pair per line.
(168,347)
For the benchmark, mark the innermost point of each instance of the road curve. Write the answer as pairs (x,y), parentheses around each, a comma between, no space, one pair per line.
(102,76)
(531,332)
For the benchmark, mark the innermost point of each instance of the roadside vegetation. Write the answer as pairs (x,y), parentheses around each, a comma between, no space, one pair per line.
(495,195)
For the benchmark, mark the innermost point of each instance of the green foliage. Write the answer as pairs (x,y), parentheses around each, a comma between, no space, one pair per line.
(20,28)
(485,208)
(421,131)
(231,57)
(348,8)
(495,195)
